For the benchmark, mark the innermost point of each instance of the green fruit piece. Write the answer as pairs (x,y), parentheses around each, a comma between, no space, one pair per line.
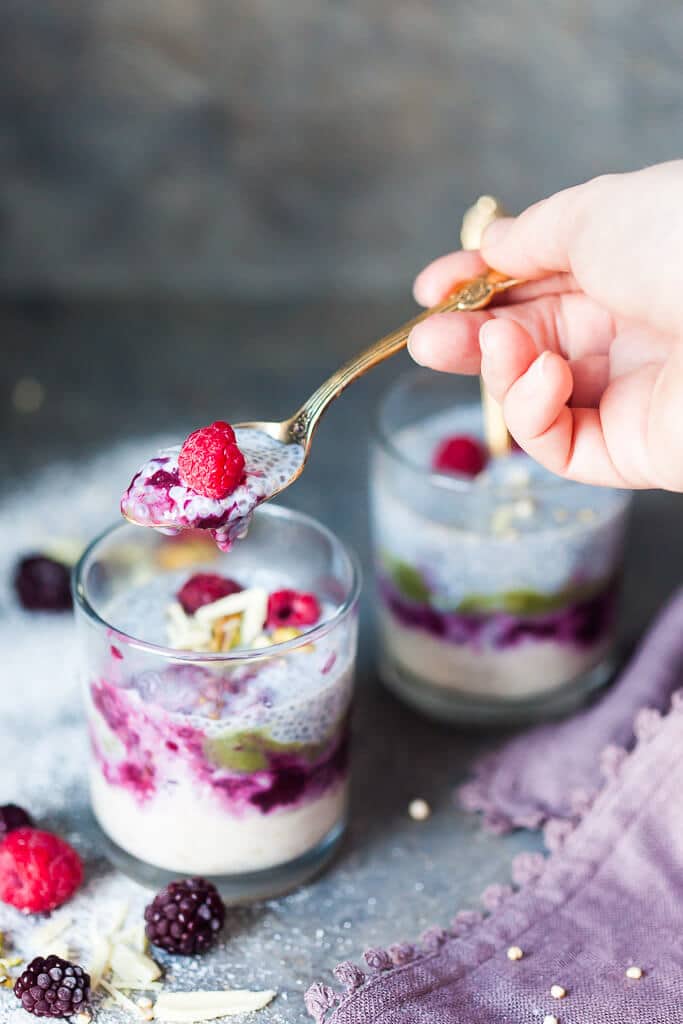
(247,752)
(409,582)
(240,752)
(527,602)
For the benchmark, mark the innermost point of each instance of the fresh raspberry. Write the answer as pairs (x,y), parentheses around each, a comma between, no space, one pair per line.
(52,987)
(11,818)
(42,584)
(292,608)
(460,454)
(38,870)
(185,917)
(205,588)
(210,461)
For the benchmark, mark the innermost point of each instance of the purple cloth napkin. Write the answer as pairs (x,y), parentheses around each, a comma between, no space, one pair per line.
(609,897)
(546,772)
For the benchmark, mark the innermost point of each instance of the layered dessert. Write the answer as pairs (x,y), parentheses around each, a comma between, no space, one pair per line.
(496,580)
(233,758)
(213,482)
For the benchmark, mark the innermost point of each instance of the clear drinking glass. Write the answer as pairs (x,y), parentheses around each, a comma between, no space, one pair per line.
(496,595)
(230,765)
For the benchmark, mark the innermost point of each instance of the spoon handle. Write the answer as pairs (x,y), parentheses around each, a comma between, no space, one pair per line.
(467,296)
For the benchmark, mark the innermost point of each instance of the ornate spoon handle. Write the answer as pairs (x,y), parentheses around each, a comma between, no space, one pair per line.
(470,295)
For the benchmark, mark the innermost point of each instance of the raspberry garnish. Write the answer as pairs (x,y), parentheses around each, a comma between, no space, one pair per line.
(292,608)
(185,917)
(205,588)
(460,454)
(42,584)
(38,870)
(11,818)
(52,987)
(210,461)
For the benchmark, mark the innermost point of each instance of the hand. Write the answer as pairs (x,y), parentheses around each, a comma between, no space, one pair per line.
(586,359)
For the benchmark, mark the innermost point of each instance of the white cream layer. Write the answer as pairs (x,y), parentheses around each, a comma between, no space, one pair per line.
(189,831)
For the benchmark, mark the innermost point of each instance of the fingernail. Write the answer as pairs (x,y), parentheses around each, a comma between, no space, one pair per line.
(538,370)
(414,347)
(486,342)
(497,230)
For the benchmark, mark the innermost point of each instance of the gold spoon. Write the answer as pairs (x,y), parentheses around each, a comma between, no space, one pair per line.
(474,223)
(299,429)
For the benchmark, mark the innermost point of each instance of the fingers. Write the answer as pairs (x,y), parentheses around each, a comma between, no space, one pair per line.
(449,342)
(433,284)
(664,422)
(591,376)
(534,391)
(532,388)
(571,324)
(538,241)
(619,235)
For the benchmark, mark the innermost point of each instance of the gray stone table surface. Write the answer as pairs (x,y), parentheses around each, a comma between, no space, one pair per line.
(111,371)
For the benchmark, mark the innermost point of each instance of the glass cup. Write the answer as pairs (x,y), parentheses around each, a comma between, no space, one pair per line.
(496,594)
(231,765)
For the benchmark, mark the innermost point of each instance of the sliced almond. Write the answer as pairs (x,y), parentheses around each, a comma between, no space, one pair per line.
(99,962)
(119,998)
(60,949)
(133,985)
(226,633)
(44,937)
(193,1007)
(184,632)
(128,963)
(136,938)
(252,604)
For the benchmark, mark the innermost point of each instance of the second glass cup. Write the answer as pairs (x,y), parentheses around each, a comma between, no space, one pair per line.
(496,595)
(232,764)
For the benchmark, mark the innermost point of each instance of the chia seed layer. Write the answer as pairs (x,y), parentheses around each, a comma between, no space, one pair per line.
(157,497)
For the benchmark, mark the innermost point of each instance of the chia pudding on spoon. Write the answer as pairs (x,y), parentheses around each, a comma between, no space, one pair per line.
(213,482)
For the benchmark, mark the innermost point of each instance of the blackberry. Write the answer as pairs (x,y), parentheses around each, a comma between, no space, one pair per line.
(52,987)
(42,584)
(12,817)
(185,917)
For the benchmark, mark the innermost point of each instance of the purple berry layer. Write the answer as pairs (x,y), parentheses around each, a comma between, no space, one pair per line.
(582,624)
(155,747)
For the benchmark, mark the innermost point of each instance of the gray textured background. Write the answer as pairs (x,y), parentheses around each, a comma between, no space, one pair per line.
(284,149)
(291,146)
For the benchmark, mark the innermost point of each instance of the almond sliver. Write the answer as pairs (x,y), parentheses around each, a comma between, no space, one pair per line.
(252,603)
(128,963)
(194,1007)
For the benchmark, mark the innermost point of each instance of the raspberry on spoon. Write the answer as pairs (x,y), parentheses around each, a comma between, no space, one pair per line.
(210,461)
(205,588)
(460,454)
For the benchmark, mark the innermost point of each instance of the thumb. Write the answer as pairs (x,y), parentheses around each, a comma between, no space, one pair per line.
(620,235)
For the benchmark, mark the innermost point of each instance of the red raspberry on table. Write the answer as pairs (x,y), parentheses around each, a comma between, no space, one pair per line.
(292,608)
(205,588)
(210,461)
(38,870)
(460,454)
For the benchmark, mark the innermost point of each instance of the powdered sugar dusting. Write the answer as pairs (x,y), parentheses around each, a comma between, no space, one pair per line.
(157,496)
